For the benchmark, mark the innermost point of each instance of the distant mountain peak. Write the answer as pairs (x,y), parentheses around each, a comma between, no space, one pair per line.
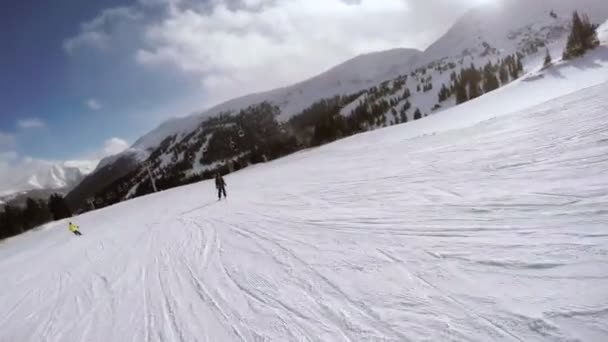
(43,175)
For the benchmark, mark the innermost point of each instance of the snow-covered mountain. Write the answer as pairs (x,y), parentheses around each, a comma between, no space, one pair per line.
(43,175)
(485,37)
(511,25)
(485,222)
(376,90)
(353,75)
(504,27)
(349,77)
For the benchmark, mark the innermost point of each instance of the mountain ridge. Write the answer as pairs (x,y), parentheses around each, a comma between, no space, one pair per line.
(397,58)
(183,143)
(48,175)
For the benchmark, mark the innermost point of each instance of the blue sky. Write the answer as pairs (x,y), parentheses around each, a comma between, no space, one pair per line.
(83,79)
(36,80)
(78,100)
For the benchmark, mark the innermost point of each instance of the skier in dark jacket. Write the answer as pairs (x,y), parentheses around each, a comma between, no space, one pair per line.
(220,184)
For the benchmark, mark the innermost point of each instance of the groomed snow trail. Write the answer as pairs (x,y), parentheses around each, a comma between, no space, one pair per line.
(496,232)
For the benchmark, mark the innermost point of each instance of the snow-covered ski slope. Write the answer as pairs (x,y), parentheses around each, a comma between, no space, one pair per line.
(492,226)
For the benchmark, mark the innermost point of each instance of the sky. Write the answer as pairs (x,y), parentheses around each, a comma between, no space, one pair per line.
(81,80)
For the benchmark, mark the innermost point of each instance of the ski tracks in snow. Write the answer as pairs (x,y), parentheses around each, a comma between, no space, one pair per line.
(496,232)
(312,278)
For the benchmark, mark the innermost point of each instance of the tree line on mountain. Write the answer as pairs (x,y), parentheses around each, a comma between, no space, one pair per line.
(223,143)
(253,135)
(472,82)
(231,141)
(582,37)
(15,220)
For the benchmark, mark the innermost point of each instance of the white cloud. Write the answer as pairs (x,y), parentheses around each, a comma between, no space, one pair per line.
(113,146)
(110,147)
(15,171)
(86,38)
(31,123)
(266,44)
(99,32)
(236,47)
(93,104)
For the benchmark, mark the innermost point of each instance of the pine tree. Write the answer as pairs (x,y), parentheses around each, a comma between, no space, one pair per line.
(490,82)
(11,221)
(461,91)
(582,38)
(474,82)
(59,207)
(574,46)
(474,90)
(515,66)
(590,33)
(520,65)
(509,67)
(32,213)
(4,229)
(548,60)
(444,93)
(417,114)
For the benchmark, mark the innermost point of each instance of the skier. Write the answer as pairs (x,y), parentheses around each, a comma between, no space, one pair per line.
(220,184)
(74,229)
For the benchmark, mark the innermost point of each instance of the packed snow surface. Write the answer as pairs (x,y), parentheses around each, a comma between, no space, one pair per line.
(492,231)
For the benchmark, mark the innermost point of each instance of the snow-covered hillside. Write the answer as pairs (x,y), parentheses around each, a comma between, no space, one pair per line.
(39,175)
(498,44)
(499,29)
(489,226)
(483,38)
(509,25)
(354,75)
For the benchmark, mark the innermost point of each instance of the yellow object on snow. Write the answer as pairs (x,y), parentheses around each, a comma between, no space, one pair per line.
(72,227)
